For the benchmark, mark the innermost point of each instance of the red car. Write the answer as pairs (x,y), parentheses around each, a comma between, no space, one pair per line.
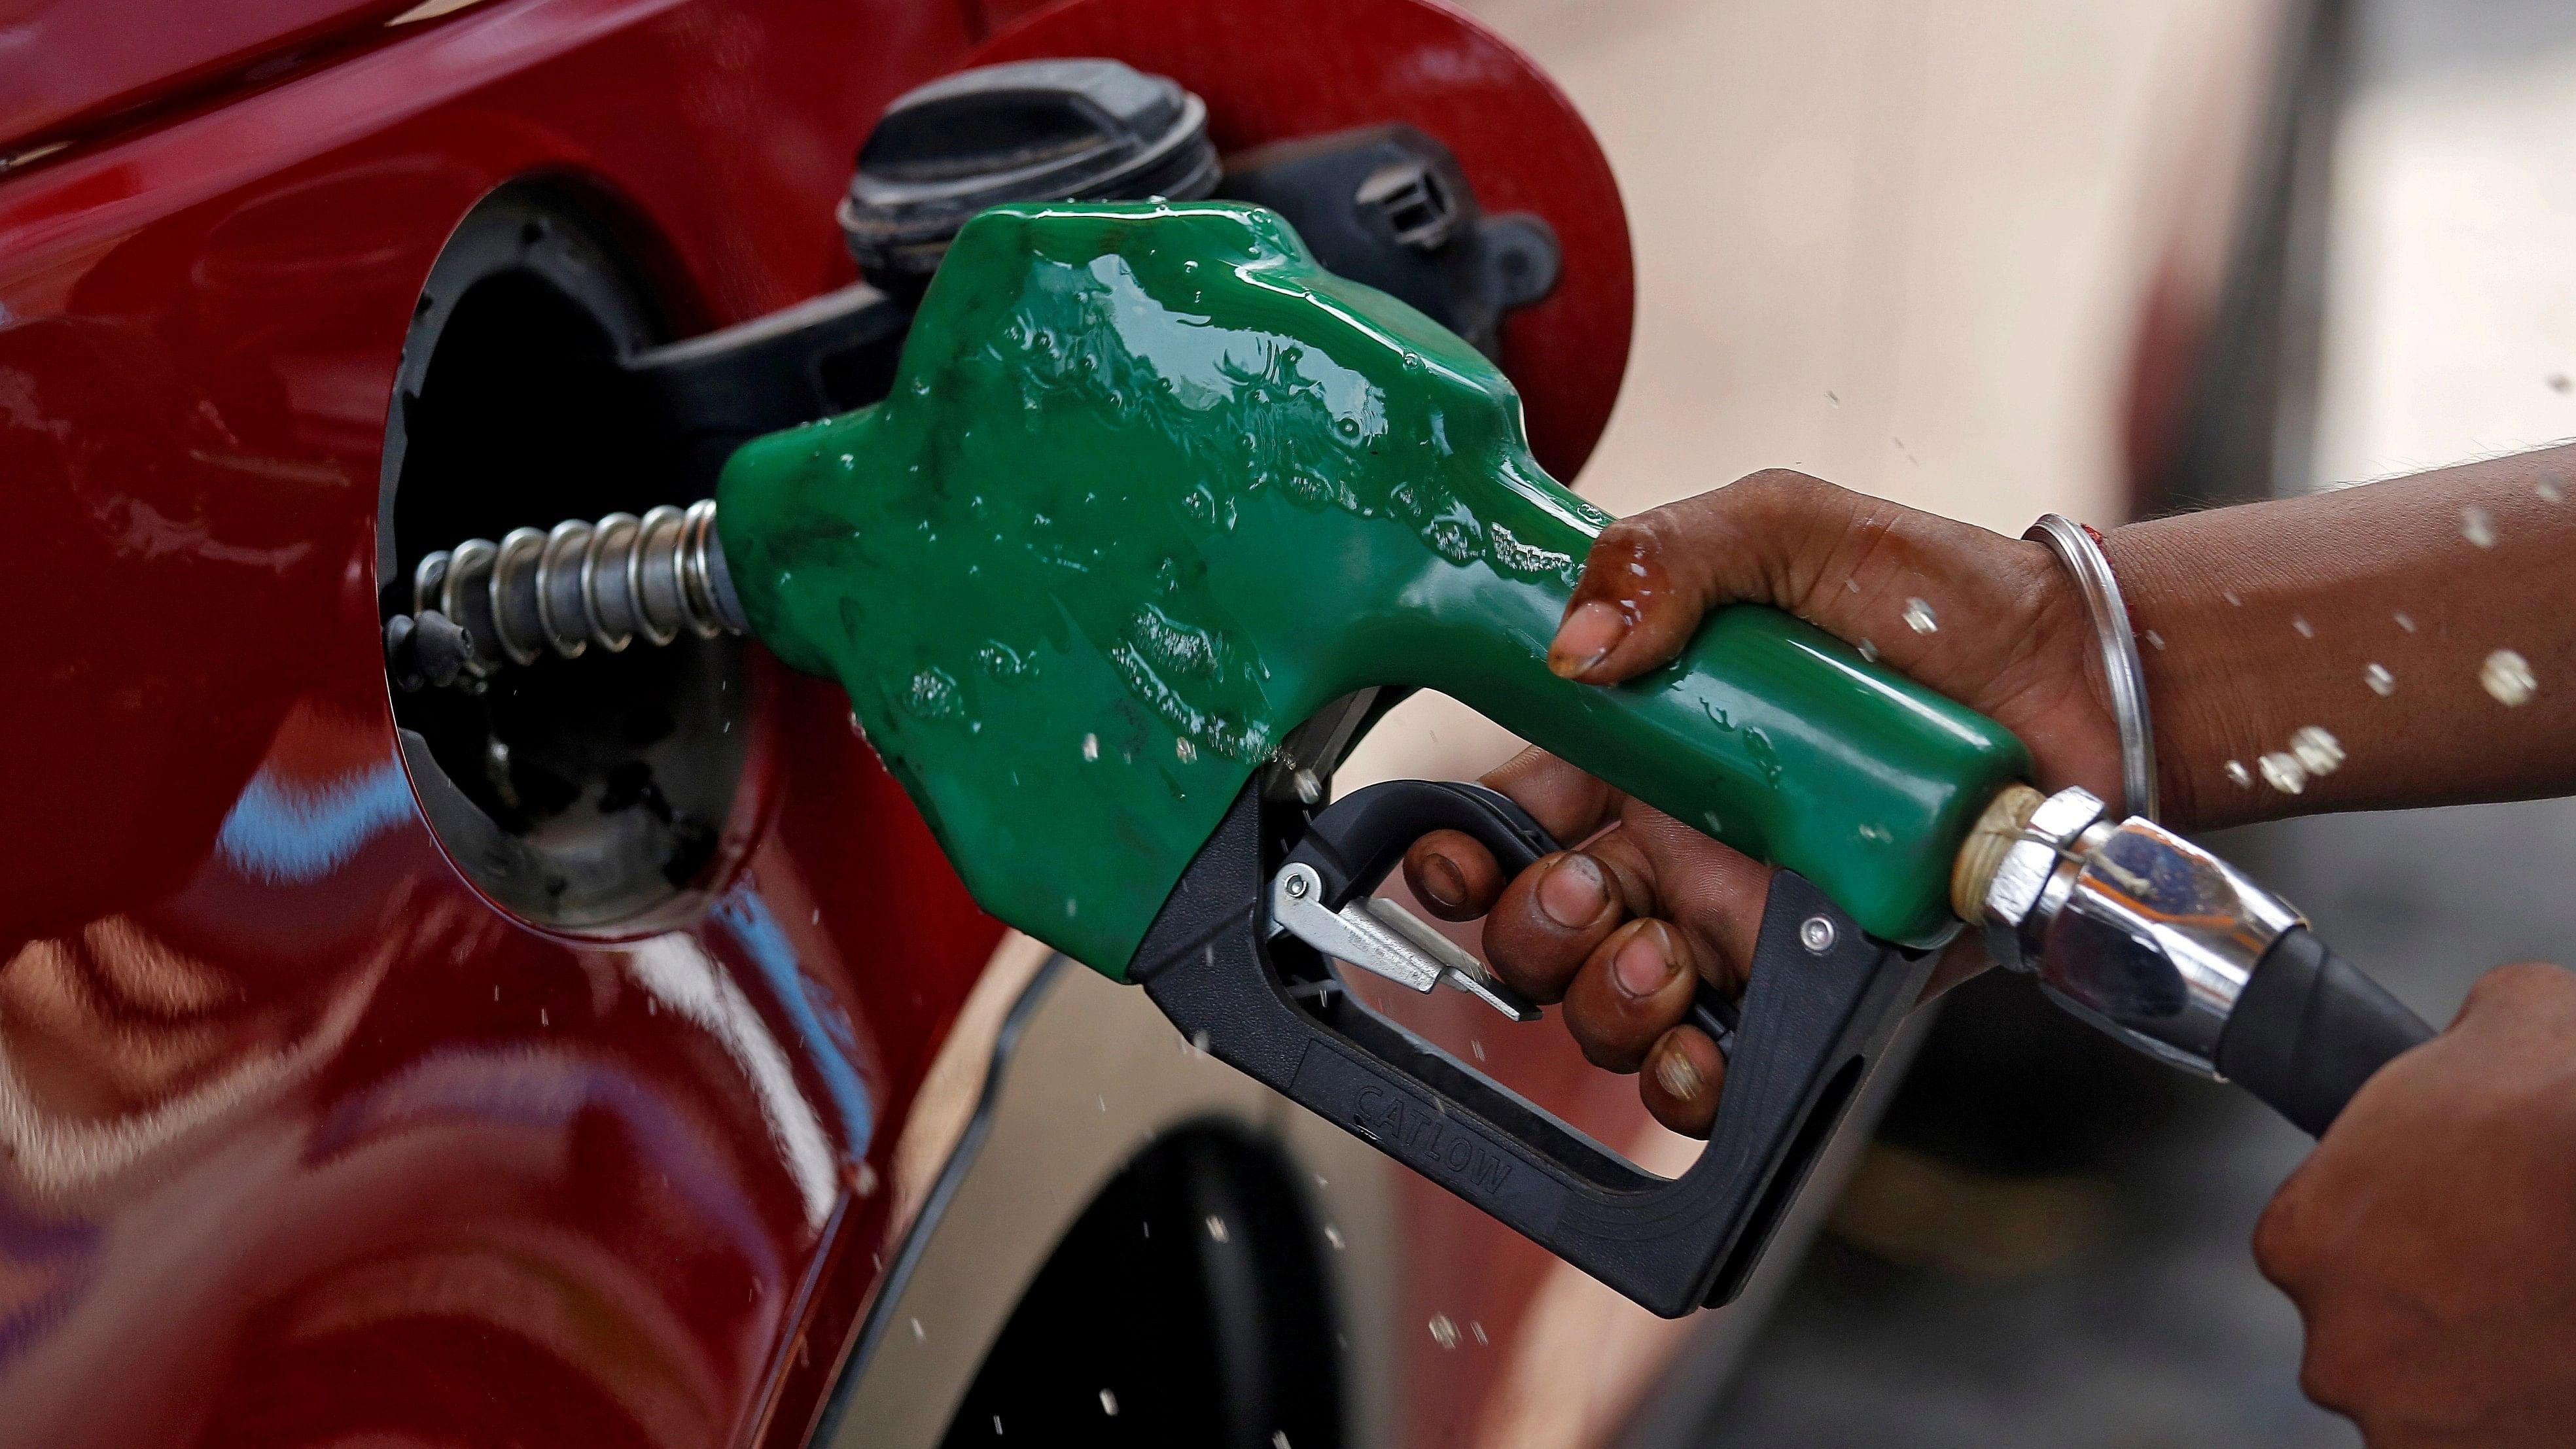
(611,1058)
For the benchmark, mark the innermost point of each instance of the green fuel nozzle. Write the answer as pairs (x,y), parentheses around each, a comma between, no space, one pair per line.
(1152,489)
(1156,517)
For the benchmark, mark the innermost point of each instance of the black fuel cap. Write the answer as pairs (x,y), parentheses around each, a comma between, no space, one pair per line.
(1034,130)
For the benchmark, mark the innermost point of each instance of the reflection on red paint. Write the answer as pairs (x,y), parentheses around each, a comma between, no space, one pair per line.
(301,1141)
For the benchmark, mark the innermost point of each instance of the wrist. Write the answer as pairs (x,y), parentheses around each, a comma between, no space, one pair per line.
(2376,646)
(2207,683)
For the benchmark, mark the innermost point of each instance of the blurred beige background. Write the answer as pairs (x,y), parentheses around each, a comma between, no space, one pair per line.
(1903,244)
(2450,326)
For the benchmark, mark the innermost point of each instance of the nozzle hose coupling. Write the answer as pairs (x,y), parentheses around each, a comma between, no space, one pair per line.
(607,583)
(1972,872)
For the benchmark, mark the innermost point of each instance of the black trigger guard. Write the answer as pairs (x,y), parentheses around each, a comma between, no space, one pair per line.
(1823,1003)
(1355,842)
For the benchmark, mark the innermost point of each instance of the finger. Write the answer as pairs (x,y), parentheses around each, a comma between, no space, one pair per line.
(1684,1072)
(1569,802)
(1649,577)
(1458,878)
(2287,1237)
(1712,892)
(1635,986)
(2523,991)
(1548,920)
(1453,874)
(1855,566)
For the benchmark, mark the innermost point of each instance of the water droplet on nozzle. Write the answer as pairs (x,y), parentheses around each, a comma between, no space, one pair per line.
(1919,617)
(1443,1332)
(2381,682)
(2239,776)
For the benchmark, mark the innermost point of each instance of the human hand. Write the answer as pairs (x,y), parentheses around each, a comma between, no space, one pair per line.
(1619,927)
(2430,1241)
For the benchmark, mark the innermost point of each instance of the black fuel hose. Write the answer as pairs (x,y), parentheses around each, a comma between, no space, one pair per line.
(2310,1029)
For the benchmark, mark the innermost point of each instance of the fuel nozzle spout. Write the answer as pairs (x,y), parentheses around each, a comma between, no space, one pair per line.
(481,606)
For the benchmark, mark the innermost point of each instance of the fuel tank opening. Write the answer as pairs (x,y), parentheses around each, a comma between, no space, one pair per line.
(577,792)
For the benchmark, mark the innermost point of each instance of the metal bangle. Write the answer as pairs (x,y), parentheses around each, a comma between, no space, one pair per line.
(2083,559)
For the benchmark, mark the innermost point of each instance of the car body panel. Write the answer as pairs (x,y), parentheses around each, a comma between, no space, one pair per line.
(1044,1047)
(70,64)
(305,1140)
(302,1140)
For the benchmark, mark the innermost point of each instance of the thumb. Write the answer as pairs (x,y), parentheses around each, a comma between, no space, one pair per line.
(1767,538)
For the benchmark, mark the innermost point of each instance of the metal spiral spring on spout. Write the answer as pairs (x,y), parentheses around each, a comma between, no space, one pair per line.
(481,605)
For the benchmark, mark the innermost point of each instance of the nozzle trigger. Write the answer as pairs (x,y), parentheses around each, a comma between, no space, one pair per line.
(1380,936)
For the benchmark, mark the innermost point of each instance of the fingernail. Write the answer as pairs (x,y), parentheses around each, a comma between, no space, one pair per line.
(1586,638)
(1641,968)
(1675,1073)
(1443,882)
(1572,892)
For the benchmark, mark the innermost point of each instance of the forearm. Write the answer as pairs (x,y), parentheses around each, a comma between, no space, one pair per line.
(2257,622)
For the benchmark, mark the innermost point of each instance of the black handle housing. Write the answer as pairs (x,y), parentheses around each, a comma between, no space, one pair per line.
(1814,1021)
(2310,1029)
